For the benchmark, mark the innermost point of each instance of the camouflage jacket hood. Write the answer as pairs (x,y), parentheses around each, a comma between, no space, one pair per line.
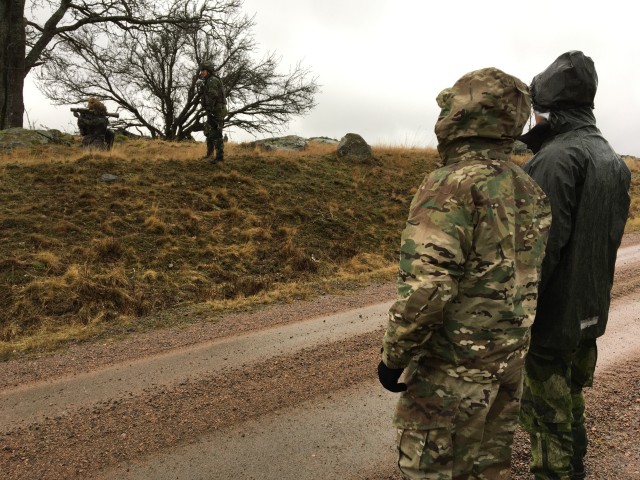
(486,106)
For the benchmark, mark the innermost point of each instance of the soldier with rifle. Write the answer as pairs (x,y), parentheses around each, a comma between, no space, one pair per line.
(93,125)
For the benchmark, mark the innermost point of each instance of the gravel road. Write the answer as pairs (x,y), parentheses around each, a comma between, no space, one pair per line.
(286,392)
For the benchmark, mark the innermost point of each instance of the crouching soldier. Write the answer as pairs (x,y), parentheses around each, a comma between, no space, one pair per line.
(93,125)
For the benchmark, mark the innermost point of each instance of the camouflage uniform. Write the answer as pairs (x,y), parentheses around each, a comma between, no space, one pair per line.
(469,268)
(94,129)
(213,101)
(554,410)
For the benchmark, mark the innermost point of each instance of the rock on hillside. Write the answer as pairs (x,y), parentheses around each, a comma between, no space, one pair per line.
(290,142)
(22,137)
(353,147)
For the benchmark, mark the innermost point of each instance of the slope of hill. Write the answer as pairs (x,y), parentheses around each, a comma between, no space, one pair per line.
(95,244)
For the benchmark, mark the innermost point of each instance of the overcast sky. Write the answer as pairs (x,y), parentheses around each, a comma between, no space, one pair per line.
(381,63)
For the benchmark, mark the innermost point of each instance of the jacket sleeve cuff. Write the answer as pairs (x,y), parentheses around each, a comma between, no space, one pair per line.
(392,362)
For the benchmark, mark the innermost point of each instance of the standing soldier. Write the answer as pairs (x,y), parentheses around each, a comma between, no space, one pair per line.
(469,268)
(588,186)
(93,125)
(214,104)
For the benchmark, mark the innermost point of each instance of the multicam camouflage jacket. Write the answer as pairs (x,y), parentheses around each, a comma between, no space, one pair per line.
(93,128)
(474,242)
(212,97)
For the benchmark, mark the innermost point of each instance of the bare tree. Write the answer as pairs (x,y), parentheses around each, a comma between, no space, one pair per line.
(27,42)
(151,74)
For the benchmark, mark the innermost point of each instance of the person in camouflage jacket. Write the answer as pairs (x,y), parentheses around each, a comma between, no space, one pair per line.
(214,104)
(470,260)
(93,126)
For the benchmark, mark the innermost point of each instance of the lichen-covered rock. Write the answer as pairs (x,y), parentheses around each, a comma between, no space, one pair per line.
(22,137)
(353,147)
(290,142)
(323,140)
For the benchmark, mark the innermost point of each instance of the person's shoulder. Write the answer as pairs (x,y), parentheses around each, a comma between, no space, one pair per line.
(471,171)
(460,178)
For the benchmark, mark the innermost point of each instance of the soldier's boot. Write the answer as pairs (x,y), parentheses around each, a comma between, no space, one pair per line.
(219,152)
(211,145)
(219,157)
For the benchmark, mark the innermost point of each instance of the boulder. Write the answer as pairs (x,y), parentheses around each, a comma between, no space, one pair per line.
(22,137)
(353,147)
(323,140)
(290,143)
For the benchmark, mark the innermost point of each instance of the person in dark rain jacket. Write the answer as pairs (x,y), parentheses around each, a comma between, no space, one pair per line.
(587,184)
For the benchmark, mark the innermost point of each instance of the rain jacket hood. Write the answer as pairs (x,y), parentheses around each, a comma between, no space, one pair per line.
(569,82)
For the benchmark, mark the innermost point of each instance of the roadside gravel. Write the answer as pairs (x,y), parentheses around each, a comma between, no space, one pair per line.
(84,443)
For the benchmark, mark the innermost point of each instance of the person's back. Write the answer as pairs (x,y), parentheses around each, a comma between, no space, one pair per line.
(587,184)
(488,318)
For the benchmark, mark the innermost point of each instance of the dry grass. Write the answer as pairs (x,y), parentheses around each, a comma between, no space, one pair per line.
(633,223)
(82,258)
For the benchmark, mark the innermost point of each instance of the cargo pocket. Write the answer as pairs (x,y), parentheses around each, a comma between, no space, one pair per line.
(425,451)
(430,402)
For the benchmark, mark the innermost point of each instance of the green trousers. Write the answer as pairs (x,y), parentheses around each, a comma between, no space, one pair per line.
(553,409)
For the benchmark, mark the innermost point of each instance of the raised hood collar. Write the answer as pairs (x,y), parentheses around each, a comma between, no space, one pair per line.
(485,109)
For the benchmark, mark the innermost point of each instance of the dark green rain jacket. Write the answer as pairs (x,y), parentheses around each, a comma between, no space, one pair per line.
(587,184)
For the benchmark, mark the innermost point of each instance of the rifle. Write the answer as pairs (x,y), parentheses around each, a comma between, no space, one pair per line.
(86,110)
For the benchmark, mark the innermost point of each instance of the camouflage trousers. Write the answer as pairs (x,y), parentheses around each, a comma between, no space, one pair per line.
(213,134)
(451,429)
(553,409)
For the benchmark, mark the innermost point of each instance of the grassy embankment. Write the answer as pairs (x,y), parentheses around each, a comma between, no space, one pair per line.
(82,258)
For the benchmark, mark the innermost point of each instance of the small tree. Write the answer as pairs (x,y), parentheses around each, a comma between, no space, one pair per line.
(28,42)
(151,75)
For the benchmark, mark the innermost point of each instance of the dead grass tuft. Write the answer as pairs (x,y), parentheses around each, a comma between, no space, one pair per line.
(108,249)
(156,226)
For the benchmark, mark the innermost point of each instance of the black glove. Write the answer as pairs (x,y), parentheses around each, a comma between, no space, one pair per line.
(213,121)
(389,378)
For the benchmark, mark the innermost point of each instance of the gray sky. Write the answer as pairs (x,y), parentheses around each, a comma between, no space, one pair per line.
(381,63)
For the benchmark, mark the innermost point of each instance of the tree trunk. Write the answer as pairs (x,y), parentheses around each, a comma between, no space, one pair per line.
(12,63)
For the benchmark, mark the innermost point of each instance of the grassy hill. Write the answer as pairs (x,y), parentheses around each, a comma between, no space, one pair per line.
(83,256)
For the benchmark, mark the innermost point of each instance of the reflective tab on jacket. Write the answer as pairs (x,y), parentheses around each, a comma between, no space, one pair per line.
(588,322)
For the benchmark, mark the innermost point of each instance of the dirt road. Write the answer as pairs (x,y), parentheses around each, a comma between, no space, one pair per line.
(284,393)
